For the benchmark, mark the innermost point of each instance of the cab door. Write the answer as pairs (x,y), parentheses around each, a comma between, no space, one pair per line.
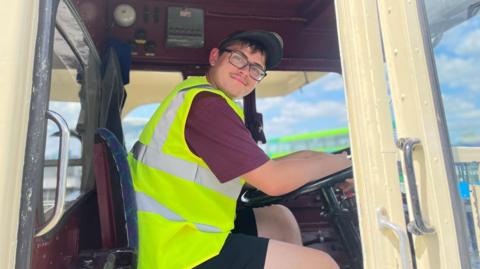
(431,49)
(58,204)
(412,92)
(375,160)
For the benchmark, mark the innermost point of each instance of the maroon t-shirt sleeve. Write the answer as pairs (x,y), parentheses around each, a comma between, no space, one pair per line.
(216,134)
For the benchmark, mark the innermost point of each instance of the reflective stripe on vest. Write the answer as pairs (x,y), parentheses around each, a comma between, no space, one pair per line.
(147,204)
(162,127)
(155,158)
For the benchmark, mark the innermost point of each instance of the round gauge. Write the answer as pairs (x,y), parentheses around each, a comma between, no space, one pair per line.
(124,15)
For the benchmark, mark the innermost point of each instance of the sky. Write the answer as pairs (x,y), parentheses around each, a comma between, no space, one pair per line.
(320,105)
(457,58)
(317,106)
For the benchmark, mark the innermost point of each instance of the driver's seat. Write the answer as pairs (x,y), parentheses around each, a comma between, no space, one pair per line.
(116,207)
(115,193)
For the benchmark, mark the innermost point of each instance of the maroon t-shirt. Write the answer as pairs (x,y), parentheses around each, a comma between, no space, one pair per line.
(216,134)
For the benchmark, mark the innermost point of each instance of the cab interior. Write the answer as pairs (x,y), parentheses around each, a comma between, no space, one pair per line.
(109,62)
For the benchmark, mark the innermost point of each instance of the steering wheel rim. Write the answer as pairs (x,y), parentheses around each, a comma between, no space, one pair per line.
(256,198)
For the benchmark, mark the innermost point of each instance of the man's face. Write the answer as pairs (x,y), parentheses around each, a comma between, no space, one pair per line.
(233,81)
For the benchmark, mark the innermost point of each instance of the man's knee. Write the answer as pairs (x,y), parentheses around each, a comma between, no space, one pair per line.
(285,212)
(285,216)
(278,222)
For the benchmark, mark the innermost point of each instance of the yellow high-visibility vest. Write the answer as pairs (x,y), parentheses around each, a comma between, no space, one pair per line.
(184,212)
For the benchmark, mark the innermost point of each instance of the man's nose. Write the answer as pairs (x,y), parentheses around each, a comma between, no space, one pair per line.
(244,70)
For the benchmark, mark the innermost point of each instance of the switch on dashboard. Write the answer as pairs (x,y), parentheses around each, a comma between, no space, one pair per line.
(140,36)
(150,48)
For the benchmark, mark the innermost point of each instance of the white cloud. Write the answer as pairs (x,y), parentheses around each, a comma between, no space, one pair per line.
(266,104)
(301,112)
(69,111)
(458,56)
(135,121)
(459,72)
(331,82)
(454,38)
(462,119)
(457,104)
(295,109)
(470,45)
(296,112)
(460,111)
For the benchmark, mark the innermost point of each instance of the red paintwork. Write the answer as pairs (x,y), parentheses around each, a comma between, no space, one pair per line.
(60,250)
(307,26)
(307,210)
(95,17)
(79,230)
(104,196)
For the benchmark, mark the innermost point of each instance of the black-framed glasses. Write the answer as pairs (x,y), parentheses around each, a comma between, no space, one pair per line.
(238,60)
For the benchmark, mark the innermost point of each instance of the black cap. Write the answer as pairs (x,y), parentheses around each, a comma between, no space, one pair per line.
(271,41)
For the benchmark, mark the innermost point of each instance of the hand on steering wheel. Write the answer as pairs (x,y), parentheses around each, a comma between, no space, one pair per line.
(256,198)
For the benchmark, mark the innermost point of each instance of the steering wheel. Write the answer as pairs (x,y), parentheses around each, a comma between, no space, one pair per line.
(256,198)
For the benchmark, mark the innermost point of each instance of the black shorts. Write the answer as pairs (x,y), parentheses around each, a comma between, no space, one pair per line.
(242,248)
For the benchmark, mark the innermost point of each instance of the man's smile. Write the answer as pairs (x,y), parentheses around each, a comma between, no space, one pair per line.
(239,79)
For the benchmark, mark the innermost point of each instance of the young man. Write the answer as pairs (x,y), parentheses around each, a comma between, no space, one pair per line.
(191,158)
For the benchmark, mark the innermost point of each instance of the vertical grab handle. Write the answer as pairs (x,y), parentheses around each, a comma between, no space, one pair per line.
(384,223)
(417,226)
(62,172)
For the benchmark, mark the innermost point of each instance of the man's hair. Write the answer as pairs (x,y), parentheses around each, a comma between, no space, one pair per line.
(252,44)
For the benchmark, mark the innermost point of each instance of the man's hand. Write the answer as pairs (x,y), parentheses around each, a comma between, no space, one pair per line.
(347,186)
(283,175)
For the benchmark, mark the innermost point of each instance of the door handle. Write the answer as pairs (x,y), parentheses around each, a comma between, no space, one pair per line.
(384,223)
(417,226)
(62,172)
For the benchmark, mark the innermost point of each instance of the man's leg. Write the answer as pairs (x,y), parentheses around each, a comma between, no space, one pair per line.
(285,248)
(244,251)
(277,222)
(249,251)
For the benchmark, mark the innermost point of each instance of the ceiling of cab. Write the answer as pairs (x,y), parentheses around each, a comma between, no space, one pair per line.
(161,29)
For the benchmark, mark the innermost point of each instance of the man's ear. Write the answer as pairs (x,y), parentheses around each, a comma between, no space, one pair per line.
(213,58)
